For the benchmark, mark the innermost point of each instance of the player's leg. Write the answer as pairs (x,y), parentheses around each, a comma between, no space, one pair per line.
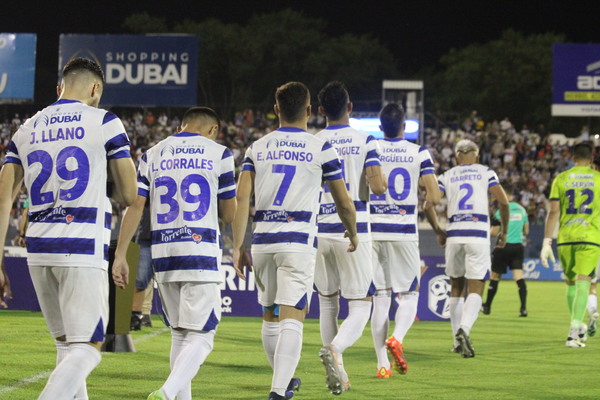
(498,269)
(567,256)
(592,308)
(147,305)
(586,261)
(519,278)
(142,280)
(327,281)
(455,269)
(381,307)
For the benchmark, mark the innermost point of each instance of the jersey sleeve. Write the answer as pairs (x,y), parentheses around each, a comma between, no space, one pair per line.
(426,164)
(248,163)
(226,176)
(12,154)
(331,165)
(116,141)
(373,153)
(442,182)
(492,178)
(143,176)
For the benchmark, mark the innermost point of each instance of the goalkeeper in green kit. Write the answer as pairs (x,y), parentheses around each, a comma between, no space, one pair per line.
(574,204)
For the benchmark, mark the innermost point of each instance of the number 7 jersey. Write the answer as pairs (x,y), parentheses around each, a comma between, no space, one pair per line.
(64,150)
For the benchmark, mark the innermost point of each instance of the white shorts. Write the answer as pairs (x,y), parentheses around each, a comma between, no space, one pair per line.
(396,265)
(74,301)
(284,278)
(191,305)
(338,270)
(471,260)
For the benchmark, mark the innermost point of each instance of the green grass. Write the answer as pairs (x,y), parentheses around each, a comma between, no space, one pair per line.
(516,358)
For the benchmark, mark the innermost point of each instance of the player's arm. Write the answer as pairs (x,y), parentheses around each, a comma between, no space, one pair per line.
(23,226)
(245,189)
(11,178)
(345,209)
(433,194)
(431,215)
(129,224)
(227,208)
(123,175)
(551,222)
(376,179)
(526,227)
(502,200)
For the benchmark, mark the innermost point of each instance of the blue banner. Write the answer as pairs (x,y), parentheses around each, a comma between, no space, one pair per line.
(140,70)
(576,80)
(17,65)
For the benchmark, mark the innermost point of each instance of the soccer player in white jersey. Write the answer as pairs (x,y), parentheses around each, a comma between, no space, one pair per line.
(336,270)
(284,170)
(396,259)
(468,239)
(64,153)
(189,180)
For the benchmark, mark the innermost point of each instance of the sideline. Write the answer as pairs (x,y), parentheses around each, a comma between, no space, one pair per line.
(45,374)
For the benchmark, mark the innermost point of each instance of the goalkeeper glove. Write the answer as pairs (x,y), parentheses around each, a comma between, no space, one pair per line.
(547,253)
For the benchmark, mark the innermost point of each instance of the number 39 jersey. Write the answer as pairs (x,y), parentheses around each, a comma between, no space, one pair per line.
(466,188)
(64,150)
(394,214)
(184,176)
(290,165)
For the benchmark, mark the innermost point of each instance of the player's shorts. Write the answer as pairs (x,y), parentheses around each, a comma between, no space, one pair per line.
(284,278)
(578,259)
(510,256)
(191,305)
(74,301)
(144,266)
(338,270)
(396,265)
(469,260)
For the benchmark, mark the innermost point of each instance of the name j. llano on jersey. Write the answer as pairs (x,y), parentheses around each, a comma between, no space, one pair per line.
(53,135)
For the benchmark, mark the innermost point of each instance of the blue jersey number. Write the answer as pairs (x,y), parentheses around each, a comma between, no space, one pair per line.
(583,209)
(191,184)
(288,172)
(393,187)
(462,203)
(72,164)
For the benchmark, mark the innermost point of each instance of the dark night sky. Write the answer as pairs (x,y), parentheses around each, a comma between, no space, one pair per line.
(417,32)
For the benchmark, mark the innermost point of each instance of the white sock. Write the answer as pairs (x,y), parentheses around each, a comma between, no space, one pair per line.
(62,349)
(270,336)
(380,323)
(178,343)
(470,312)
(70,374)
(352,328)
(592,305)
(329,308)
(287,354)
(192,356)
(456,311)
(405,314)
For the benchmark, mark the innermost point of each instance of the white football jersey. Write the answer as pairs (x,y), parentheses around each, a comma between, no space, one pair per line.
(394,214)
(64,150)
(357,151)
(290,165)
(183,177)
(466,187)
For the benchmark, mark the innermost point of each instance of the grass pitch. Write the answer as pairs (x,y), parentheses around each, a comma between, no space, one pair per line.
(516,358)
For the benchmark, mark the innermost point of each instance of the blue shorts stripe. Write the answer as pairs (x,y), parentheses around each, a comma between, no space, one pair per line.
(466,233)
(60,245)
(280,237)
(393,228)
(185,263)
(361,227)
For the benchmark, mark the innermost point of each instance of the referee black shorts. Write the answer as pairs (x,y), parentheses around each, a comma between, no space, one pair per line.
(510,256)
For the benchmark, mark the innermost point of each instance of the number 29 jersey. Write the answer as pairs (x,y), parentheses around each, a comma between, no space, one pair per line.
(184,176)
(394,214)
(466,188)
(64,150)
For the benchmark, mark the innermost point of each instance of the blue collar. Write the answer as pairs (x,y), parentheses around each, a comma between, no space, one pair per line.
(65,101)
(290,129)
(334,127)
(185,134)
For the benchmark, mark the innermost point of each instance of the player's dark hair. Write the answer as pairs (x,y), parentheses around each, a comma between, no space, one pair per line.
(79,63)
(392,119)
(597,161)
(194,113)
(334,99)
(582,151)
(292,99)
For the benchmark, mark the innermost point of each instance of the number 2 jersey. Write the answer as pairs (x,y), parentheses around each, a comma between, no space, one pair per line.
(466,188)
(64,150)
(184,176)
(394,214)
(290,165)
(578,190)
(357,151)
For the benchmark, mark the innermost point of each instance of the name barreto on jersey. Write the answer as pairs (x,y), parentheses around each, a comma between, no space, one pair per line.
(48,134)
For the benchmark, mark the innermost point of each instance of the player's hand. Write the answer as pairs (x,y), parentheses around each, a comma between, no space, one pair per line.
(120,272)
(353,242)
(501,240)
(547,253)
(21,241)
(441,237)
(241,260)
(5,290)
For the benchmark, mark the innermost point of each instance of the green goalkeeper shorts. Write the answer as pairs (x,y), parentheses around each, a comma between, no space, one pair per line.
(579,259)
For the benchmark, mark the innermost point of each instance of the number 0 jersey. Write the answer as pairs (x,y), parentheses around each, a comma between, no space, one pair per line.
(290,165)
(578,190)
(394,214)
(184,176)
(64,150)
(466,187)
(357,151)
